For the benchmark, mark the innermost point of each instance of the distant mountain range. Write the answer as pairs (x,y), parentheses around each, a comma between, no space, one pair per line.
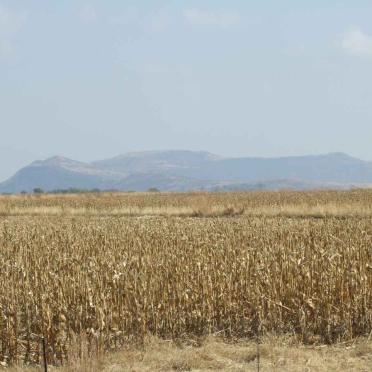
(191,170)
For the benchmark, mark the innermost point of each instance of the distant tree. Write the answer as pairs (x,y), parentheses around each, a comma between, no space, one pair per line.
(153,189)
(38,190)
(23,192)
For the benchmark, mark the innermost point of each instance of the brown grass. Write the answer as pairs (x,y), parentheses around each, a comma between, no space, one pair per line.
(356,203)
(212,211)
(213,354)
(78,265)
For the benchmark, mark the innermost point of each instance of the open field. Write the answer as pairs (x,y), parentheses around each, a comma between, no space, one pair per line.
(275,204)
(101,272)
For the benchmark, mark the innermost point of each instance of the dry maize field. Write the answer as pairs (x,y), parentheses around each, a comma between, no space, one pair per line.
(113,268)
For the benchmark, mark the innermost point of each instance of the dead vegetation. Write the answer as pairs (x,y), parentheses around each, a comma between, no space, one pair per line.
(219,211)
(214,354)
(317,204)
(116,282)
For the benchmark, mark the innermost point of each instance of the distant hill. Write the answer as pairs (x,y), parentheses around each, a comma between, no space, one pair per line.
(333,168)
(191,170)
(157,161)
(58,173)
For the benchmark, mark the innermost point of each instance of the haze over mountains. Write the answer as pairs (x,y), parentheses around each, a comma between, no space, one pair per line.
(190,170)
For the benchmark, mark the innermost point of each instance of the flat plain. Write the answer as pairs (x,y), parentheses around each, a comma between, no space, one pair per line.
(170,281)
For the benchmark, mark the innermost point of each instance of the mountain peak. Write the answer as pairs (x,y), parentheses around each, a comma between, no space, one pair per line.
(175,154)
(340,155)
(55,161)
(343,157)
(158,161)
(61,162)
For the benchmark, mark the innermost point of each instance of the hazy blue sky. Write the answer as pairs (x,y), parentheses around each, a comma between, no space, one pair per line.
(92,79)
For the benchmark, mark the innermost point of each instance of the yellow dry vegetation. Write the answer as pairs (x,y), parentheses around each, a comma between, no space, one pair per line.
(276,354)
(85,276)
(320,204)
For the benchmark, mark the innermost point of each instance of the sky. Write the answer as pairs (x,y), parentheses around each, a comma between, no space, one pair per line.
(93,79)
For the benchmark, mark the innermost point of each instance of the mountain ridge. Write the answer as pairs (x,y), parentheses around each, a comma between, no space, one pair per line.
(182,170)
